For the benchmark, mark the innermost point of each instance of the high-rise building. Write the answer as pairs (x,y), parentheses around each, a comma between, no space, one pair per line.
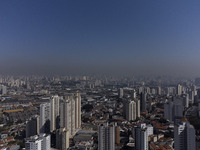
(178,108)
(45,118)
(67,114)
(62,139)
(106,137)
(159,90)
(134,94)
(41,142)
(137,108)
(3,89)
(168,110)
(141,137)
(121,93)
(184,136)
(143,101)
(54,104)
(130,110)
(173,109)
(32,126)
(179,89)
(191,96)
(77,111)
(186,101)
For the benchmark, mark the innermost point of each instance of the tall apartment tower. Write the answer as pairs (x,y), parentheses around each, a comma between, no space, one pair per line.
(143,101)
(137,108)
(3,89)
(54,104)
(62,139)
(130,110)
(186,101)
(45,118)
(173,109)
(179,89)
(159,90)
(121,93)
(77,111)
(106,137)
(67,114)
(141,137)
(134,94)
(184,136)
(32,126)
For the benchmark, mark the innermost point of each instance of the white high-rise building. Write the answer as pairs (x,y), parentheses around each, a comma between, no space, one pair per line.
(77,111)
(130,110)
(44,117)
(106,137)
(41,142)
(67,115)
(137,108)
(184,136)
(141,137)
(54,104)
(179,89)
(159,90)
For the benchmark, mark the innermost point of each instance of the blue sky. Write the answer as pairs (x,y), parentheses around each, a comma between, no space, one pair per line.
(129,35)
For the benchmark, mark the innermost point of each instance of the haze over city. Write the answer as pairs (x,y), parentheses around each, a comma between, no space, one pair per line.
(76,36)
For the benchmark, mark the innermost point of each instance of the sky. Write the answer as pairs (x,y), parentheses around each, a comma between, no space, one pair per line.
(86,36)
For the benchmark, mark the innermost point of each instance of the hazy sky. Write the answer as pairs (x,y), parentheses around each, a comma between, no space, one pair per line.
(161,36)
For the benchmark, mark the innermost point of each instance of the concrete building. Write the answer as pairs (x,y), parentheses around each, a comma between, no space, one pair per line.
(106,137)
(121,93)
(130,110)
(67,114)
(41,142)
(179,89)
(173,109)
(149,130)
(3,90)
(62,139)
(137,108)
(45,118)
(33,126)
(77,111)
(184,136)
(143,101)
(141,137)
(54,105)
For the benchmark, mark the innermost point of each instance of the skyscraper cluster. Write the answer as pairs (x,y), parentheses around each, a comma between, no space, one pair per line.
(61,115)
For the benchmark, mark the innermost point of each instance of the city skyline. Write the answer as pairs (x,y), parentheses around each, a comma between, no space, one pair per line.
(142,37)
